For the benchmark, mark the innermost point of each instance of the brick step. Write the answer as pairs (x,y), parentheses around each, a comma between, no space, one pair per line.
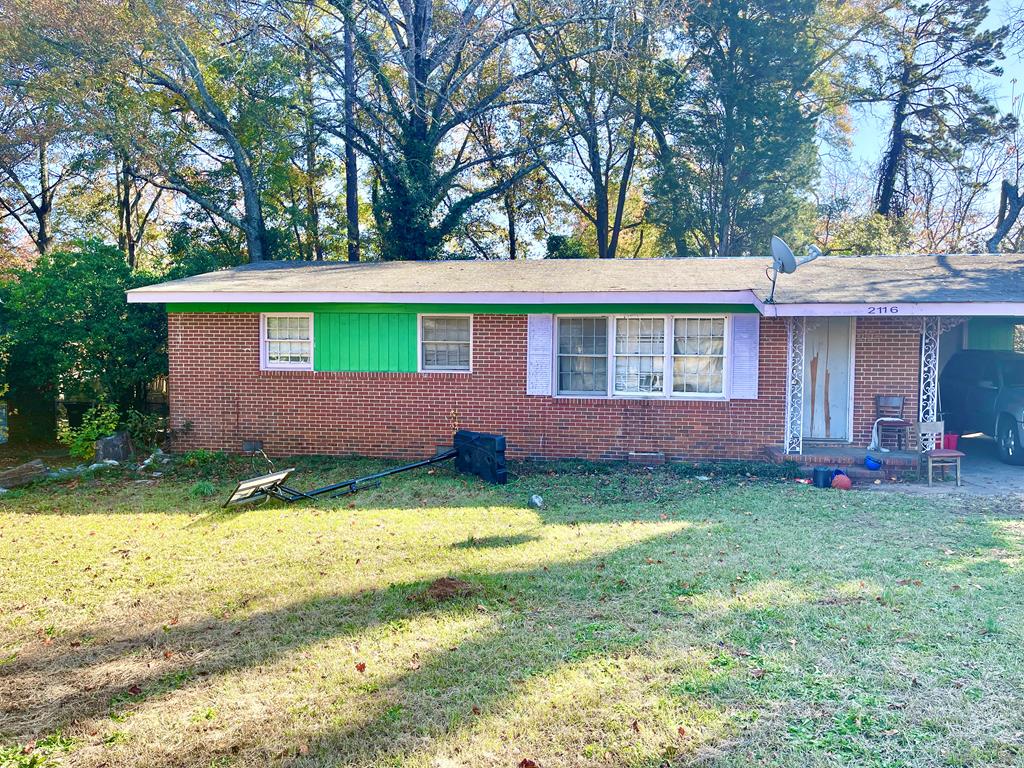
(850,460)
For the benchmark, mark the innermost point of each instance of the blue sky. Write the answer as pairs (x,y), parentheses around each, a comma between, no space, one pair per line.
(871,128)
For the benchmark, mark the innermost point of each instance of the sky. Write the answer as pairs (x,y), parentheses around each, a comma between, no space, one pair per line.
(871,128)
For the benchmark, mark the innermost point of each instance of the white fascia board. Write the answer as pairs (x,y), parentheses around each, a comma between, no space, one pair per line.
(155,296)
(897,309)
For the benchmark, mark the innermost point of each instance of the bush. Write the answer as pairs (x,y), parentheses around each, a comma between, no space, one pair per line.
(99,421)
(145,428)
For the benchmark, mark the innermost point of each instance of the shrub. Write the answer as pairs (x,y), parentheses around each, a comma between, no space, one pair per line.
(99,421)
(145,428)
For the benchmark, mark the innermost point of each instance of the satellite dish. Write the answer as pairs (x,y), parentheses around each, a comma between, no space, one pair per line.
(783,259)
(785,262)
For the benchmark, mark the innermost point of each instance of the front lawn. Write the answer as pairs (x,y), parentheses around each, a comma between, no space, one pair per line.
(639,619)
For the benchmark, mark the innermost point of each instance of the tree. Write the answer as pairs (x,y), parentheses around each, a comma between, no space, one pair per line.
(196,94)
(39,151)
(432,68)
(735,144)
(926,68)
(69,329)
(600,98)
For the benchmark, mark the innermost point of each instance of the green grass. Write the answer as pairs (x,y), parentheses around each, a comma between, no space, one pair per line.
(640,619)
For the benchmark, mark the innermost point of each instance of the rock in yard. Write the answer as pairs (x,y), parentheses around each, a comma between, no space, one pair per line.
(117,447)
(536,501)
(23,474)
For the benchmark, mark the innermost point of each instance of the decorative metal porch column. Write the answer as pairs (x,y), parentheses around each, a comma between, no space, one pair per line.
(932,329)
(794,438)
(930,332)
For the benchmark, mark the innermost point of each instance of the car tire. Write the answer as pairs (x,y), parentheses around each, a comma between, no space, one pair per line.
(1011,450)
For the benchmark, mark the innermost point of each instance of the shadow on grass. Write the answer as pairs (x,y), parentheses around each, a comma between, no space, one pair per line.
(495,542)
(538,619)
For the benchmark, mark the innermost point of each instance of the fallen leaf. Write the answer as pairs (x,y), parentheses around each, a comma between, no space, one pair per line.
(757,673)
(476,710)
(681,731)
(360,666)
(527,763)
(635,726)
(168,654)
(135,690)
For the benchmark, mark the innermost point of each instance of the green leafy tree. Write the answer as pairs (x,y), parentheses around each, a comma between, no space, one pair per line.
(735,143)
(68,328)
(431,73)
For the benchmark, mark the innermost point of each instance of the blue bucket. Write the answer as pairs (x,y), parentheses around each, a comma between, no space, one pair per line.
(872,463)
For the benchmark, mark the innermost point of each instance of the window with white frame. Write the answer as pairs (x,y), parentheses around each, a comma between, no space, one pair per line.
(639,355)
(445,342)
(642,356)
(698,356)
(287,341)
(583,355)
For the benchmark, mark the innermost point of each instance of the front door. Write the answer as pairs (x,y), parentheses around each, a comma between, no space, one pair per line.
(827,378)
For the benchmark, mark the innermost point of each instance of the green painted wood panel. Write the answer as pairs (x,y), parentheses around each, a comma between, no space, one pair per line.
(991,333)
(364,341)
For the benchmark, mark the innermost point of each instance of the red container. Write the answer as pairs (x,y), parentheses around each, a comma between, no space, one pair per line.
(950,442)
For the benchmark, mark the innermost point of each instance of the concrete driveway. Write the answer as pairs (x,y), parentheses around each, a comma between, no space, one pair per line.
(984,474)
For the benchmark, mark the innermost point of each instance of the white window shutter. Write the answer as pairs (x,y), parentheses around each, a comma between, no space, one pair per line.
(744,352)
(539,353)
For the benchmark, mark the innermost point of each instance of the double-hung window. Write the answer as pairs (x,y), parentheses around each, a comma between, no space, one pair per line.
(642,356)
(286,341)
(445,342)
(583,355)
(698,356)
(639,355)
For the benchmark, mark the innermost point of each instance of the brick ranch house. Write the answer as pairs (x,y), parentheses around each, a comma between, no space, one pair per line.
(682,358)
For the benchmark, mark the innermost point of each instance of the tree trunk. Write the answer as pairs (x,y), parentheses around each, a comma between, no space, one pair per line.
(42,211)
(510,216)
(894,154)
(351,166)
(1010,205)
(311,187)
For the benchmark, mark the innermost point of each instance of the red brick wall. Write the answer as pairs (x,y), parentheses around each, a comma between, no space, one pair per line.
(217,387)
(887,361)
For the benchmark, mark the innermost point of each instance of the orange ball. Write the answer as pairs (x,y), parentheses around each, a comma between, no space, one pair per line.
(842,482)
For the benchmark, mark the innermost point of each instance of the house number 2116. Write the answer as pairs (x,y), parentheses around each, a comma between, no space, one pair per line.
(884,310)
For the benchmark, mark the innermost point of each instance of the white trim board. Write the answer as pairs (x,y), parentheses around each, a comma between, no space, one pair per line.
(147,296)
(804,309)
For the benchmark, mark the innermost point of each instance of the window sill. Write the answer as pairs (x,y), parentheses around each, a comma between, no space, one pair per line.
(648,398)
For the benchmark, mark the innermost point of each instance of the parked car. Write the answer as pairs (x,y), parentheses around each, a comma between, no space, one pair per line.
(983,391)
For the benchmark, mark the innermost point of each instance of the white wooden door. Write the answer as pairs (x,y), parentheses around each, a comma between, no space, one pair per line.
(827,378)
